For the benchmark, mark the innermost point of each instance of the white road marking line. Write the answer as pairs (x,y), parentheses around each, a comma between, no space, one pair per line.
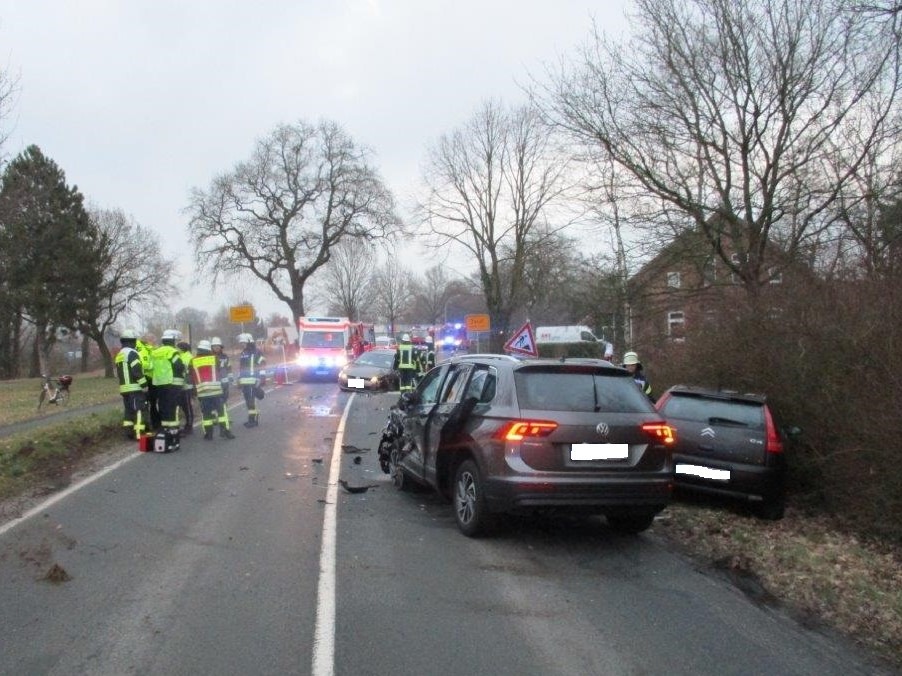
(52,500)
(49,502)
(324,634)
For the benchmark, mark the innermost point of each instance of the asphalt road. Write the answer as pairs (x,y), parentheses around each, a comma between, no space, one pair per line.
(209,561)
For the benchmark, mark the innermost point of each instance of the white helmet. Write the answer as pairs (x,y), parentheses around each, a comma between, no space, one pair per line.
(129,334)
(245,338)
(216,341)
(430,340)
(405,338)
(630,358)
(204,345)
(170,334)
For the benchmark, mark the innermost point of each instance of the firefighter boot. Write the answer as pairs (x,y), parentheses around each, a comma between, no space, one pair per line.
(251,421)
(208,433)
(225,432)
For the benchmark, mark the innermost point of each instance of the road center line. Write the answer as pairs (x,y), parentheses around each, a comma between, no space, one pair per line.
(324,634)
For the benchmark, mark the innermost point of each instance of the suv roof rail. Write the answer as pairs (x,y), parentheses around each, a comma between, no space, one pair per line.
(487,355)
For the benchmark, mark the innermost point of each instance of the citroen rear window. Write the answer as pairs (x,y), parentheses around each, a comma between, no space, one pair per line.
(714,411)
(578,390)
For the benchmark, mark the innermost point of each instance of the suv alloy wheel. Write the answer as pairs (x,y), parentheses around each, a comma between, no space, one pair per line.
(469,500)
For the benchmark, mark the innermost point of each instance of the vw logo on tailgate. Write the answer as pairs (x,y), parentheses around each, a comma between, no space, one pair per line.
(603,429)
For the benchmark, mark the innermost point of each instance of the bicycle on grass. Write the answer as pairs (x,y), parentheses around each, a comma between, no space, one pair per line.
(58,394)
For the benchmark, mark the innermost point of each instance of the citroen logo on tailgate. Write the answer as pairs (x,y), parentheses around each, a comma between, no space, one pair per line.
(707,432)
(602,429)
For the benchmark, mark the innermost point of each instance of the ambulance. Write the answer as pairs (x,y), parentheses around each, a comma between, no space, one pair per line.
(323,344)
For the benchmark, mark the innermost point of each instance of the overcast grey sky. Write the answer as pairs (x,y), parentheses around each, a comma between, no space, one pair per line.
(139,101)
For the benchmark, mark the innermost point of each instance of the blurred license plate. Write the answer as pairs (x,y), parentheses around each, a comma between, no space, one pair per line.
(704,472)
(599,451)
(355,382)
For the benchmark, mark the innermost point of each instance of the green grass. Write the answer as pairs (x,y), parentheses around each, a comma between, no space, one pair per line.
(19,398)
(48,456)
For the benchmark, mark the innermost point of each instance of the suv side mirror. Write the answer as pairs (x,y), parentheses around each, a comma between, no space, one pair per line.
(407,400)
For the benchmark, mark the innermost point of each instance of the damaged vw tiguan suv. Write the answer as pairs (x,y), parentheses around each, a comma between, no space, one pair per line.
(497,434)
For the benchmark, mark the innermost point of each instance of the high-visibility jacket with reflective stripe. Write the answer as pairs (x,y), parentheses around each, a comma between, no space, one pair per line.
(129,371)
(405,357)
(249,366)
(167,366)
(206,376)
(145,351)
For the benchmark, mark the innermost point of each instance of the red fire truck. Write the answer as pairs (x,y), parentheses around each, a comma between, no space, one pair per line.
(323,345)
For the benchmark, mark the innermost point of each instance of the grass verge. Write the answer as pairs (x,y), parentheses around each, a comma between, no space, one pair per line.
(45,459)
(19,398)
(822,574)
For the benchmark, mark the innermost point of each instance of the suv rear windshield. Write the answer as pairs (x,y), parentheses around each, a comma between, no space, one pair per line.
(587,391)
(704,409)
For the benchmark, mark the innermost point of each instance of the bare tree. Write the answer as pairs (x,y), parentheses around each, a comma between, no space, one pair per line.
(724,110)
(349,276)
(859,243)
(134,275)
(490,185)
(279,215)
(433,291)
(394,291)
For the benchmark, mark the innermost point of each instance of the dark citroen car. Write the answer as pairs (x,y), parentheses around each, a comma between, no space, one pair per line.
(728,445)
(496,434)
(370,371)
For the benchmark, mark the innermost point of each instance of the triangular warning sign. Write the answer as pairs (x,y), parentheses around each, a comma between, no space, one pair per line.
(523,342)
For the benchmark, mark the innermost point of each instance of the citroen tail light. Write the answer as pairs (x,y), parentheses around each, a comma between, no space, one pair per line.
(773,443)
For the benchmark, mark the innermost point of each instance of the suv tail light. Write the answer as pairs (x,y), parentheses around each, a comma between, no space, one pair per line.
(517,430)
(773,444)
(660,432)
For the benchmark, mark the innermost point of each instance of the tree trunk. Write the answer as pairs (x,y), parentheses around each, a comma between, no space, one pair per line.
(34,370)
(105,354)
(86,352)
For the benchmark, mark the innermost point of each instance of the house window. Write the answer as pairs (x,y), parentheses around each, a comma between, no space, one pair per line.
(775,275)
(673,280)
(676,321)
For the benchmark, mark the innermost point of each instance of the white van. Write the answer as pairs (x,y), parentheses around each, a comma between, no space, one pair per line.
(571,334)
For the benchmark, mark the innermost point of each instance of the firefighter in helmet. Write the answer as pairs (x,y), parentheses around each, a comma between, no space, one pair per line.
(250,375)
(632,364)
(132,385)
(168,378)
(207,380)
(405,363)
(224,365)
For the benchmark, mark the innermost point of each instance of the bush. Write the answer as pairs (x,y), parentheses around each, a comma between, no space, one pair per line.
(830,364)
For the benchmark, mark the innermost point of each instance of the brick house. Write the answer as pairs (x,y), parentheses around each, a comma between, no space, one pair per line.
(687,286)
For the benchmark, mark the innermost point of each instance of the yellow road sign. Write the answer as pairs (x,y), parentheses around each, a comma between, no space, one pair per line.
(241,314)
(478,323)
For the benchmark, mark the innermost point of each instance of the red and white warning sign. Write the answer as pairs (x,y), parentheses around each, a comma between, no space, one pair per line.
(523,342)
